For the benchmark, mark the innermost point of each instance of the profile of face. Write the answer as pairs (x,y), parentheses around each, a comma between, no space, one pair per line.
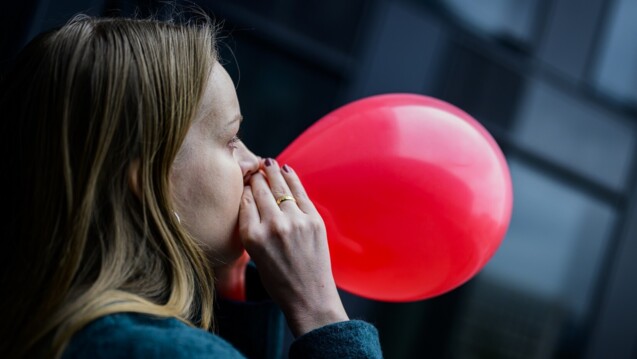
(208,174)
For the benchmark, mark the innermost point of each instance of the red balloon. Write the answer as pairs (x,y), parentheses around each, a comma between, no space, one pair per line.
(415,194)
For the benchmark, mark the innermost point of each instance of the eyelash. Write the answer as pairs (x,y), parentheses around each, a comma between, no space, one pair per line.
(233,142)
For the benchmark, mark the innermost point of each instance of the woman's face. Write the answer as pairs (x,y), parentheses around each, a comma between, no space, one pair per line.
(209,171)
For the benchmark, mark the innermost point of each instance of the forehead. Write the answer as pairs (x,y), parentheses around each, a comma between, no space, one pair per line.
(219,104)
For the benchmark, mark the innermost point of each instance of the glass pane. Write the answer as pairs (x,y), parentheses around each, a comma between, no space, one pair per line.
(333,23)
(505,18)
(576,134)
(489,92)
(568,36)
(554,241)
(540,283)
(616,71)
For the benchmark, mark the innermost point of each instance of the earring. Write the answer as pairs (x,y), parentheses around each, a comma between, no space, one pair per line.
(176,215)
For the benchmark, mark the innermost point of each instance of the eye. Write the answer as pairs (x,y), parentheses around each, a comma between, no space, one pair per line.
(234,142)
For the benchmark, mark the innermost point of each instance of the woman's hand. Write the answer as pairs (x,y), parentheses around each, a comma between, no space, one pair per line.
(288,243)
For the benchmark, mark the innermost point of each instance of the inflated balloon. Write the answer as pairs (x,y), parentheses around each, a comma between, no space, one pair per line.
(415,194)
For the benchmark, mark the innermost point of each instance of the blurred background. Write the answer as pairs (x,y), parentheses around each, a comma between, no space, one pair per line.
(554,81)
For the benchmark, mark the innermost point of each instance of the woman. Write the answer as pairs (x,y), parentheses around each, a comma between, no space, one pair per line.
(130,192)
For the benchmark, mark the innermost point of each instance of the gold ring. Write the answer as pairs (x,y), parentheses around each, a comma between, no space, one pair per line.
(284,198)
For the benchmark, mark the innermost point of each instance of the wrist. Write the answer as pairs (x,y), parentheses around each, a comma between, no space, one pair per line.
(305,319)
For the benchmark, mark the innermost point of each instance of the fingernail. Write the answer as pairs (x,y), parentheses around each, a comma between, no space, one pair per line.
(286,168)
(268,162)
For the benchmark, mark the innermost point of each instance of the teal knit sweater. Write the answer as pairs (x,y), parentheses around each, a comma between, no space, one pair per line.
(128,335)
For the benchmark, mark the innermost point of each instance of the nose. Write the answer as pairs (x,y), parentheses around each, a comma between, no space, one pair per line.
(248,161)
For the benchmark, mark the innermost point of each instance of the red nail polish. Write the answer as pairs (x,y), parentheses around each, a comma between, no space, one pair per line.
(267,162)
(286,168)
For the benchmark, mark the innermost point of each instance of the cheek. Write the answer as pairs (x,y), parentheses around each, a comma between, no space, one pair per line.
(194,191)
(190,185)
(234,184)
(208,194)
(208,189)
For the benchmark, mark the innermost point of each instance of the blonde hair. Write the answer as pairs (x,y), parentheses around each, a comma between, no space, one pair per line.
(84,103)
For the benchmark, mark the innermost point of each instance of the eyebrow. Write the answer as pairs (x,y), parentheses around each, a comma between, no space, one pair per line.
(235,119)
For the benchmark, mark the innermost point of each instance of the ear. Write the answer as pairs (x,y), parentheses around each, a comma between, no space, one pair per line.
(134,182)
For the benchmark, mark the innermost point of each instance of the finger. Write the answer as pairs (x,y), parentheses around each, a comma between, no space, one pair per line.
(278,185)
(298,191)
(263,197)
(248,212)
